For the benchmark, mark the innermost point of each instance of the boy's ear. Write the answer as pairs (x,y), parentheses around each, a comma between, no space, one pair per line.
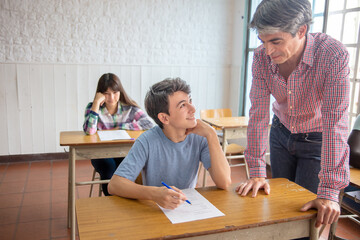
(164,118)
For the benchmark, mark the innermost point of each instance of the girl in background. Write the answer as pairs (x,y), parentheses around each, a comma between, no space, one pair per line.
(112,108)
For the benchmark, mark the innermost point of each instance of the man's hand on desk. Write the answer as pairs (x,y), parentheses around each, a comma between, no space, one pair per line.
(328,211)
(253,184)
(168,198)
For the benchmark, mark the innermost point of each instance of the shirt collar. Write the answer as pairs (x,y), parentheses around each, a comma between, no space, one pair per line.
(307,57)
(105,111)
(119,110)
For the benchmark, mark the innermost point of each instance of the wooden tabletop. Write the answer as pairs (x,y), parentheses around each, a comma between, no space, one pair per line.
(355,176)
(76,138)
(120,218)
(227,122)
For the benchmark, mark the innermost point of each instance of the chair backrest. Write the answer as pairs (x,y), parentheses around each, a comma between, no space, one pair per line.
(215,113)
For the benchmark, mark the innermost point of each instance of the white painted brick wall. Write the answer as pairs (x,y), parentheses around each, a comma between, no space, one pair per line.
(131,32)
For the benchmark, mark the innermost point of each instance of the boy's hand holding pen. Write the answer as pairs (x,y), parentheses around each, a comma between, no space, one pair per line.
(170,199)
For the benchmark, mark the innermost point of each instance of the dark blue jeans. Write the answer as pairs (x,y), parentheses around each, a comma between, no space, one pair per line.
(106,168)
(295,156)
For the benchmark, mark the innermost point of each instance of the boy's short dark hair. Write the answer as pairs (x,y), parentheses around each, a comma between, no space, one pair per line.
(157,98)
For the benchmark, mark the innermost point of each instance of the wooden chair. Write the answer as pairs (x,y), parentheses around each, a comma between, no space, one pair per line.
(95,176)
(216,113)
(233,150)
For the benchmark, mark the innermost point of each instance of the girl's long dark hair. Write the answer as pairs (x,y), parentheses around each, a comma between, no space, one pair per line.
(110,80)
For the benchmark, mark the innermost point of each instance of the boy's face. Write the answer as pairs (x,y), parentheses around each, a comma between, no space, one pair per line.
(181,111)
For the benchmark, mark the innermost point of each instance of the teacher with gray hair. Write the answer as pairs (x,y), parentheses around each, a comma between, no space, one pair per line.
(308,75)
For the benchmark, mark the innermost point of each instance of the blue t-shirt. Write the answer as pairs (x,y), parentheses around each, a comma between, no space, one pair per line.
(160,159)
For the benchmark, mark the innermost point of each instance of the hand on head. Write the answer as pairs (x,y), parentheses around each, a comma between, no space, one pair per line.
(99,99)
(201,128)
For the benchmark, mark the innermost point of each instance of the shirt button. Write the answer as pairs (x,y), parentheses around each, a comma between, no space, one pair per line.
(289,92)
(290,107)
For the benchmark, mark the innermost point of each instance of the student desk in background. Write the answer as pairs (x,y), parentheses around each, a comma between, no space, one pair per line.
(82,146)
(274,216)
(232,127)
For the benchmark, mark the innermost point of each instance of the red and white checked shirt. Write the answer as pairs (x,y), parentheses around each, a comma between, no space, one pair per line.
(315,98)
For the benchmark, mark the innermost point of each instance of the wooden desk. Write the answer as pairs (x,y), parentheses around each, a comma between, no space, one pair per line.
(82,146)
(274,216)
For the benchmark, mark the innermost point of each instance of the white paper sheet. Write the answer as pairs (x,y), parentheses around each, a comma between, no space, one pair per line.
(200,208)
(109,135)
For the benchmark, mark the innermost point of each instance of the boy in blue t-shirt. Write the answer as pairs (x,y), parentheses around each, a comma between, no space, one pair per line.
(170,152)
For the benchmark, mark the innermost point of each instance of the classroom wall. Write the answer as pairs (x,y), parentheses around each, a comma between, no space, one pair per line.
(52,54)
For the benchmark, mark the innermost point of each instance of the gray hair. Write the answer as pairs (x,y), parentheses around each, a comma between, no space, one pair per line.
(157,98)
(281,15)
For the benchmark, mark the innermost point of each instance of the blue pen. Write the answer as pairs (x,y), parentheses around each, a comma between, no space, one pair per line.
(173,190)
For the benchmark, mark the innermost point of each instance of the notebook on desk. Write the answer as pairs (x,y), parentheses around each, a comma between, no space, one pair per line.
(109,135)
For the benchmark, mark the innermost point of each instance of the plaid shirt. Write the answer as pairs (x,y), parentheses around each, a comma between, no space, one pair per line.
(126,118)
(315,98)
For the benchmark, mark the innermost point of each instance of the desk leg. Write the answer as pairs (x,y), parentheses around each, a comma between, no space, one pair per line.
(69,191)
(71,194)
(314,232)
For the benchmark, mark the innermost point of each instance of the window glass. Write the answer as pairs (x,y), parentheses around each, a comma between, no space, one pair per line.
(356,97)
(317,26)
(318,6)
(352,3)
(352,53)
(248,83)
(351,27)
(334,26)
(336,5)
(254,41)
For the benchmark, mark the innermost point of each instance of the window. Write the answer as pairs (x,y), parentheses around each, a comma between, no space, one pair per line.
(338,18)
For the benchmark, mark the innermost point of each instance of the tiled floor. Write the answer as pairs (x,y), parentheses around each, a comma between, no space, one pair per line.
(33,200)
